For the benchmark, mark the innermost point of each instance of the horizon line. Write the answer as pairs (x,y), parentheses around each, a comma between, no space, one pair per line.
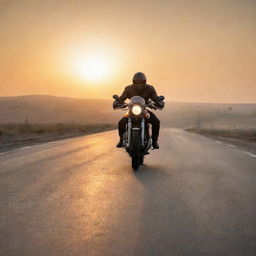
(101,98)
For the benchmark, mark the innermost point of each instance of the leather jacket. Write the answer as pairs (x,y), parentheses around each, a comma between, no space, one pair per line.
(147,92)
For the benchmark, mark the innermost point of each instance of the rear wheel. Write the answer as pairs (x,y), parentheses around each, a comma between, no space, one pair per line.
(135,149)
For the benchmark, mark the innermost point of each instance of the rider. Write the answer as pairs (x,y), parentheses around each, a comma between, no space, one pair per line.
(140,88)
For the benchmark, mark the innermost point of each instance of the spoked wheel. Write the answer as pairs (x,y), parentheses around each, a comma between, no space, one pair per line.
(135,148)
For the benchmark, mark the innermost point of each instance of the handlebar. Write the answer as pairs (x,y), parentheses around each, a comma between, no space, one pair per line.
(150,105)
(153,106)
(124,105)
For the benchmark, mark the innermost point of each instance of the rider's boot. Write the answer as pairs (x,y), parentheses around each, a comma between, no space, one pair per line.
(120,143)
(155,144)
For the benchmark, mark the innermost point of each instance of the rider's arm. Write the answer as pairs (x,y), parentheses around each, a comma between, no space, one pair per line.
(124,95)
(153,94)
(154,97)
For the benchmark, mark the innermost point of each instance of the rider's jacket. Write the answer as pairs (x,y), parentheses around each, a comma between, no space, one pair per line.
(147,92)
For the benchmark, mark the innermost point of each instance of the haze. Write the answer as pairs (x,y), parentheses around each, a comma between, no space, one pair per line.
(194,51)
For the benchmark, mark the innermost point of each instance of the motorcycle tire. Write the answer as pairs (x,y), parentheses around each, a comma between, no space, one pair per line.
(141,159)
(135,149)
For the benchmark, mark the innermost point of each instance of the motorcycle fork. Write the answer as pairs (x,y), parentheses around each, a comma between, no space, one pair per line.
(129,128)
(143,132)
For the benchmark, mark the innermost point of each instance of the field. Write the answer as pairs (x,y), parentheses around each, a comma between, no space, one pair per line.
(240,126)
(34,118)
(15,135)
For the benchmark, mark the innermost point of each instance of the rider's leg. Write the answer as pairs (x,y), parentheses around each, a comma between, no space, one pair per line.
(155,122)
(121,130)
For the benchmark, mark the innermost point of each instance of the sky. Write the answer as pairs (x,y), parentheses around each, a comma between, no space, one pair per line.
(190,50)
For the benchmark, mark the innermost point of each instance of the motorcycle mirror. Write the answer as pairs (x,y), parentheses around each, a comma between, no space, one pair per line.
(115,97)
(161,98)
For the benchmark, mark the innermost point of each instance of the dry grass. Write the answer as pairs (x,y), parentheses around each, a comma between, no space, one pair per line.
(11,134)
(14,129)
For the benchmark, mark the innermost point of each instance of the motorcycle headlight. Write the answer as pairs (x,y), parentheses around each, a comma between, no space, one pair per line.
(136,110)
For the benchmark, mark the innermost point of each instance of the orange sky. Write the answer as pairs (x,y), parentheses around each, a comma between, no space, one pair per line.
(193,50)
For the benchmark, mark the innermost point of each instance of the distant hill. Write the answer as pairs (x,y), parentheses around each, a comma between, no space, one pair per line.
(52,109)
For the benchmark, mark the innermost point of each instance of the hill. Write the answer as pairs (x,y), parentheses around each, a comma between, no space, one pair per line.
(52,109)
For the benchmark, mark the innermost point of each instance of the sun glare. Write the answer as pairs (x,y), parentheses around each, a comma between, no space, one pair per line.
(93,68)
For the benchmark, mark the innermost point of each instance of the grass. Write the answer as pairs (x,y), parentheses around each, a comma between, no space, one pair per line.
(61,128)
(12,134)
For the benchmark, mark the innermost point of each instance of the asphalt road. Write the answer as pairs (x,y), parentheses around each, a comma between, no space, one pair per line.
(194,196)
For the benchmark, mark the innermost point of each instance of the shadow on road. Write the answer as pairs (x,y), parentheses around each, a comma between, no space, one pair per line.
(170,216)
(167,219)
(148,173)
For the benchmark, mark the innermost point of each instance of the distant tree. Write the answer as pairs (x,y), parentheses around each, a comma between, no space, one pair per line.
(230,109)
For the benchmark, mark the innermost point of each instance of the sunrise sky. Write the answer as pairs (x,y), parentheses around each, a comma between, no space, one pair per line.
(190,50)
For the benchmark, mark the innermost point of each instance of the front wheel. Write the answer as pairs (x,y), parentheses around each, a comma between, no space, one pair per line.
(135,163)
(135,149)
(141,159)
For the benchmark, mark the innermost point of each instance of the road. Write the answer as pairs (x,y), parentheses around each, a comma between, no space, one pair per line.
(194,196)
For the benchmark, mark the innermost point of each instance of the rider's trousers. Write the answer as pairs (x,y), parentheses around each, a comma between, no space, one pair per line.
(153,120)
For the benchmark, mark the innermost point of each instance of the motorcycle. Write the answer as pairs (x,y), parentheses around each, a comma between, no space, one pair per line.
(137,139)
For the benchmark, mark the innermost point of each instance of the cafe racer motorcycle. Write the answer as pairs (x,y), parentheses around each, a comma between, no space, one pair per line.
(137,139)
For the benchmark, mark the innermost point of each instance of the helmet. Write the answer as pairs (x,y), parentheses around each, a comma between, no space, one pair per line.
(139,80)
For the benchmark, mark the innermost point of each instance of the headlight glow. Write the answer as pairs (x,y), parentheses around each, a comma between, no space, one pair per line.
(136,110)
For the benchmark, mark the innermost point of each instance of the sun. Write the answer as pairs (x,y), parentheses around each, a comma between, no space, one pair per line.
(92,68)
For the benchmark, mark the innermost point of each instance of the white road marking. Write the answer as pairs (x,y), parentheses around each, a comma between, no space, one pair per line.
(249,153)
(6,152)
(252,155)
(233,146)
(51,142)
(24,148)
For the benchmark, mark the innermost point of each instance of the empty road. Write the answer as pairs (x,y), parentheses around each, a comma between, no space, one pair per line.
(194,196)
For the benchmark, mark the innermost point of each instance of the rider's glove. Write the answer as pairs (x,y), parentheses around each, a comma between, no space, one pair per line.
(116,104)
(160,104)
